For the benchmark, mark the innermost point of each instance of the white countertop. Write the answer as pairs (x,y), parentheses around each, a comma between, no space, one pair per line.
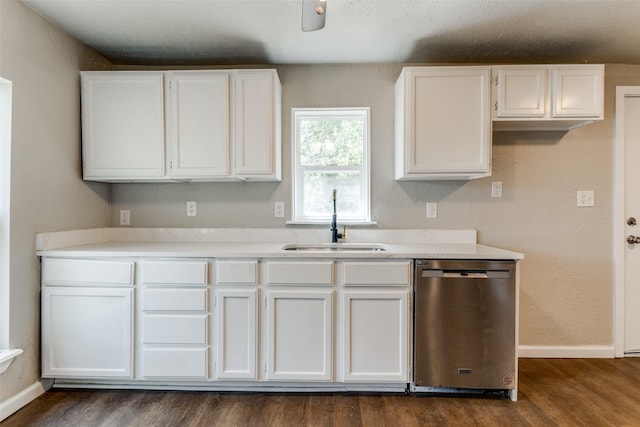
(262,243)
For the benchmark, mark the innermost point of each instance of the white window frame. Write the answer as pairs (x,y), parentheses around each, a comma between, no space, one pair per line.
(298,170)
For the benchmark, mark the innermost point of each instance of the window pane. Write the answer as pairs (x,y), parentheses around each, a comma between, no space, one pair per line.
(331,142)
(318,194)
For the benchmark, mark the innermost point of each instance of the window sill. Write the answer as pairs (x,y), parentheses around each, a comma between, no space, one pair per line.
(6,357)
(340,223)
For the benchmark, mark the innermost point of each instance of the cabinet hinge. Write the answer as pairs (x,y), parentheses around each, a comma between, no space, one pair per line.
(495,106)
(170,84)
(215,366)
(264,367)
(215,300)
(170,164)
(495,80)
(265,302)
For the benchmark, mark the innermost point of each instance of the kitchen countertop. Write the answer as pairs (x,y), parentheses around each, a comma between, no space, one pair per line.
(263,243)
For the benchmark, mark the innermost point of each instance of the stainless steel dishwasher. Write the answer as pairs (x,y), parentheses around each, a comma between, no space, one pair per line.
(464,332)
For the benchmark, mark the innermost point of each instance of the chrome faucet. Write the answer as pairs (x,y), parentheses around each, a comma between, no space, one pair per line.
(335,235)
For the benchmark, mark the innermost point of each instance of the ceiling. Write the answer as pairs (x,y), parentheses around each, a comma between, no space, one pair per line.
(357,31)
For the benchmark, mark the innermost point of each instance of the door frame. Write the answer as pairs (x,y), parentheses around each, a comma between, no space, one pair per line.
(622,92)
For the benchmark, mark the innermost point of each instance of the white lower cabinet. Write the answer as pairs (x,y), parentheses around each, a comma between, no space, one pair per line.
(376,321)
(235,319)
(227,321)
(87,319)
(173,320)
(236,325)
(375,336)
(87,332)
(299,320)
(300,335)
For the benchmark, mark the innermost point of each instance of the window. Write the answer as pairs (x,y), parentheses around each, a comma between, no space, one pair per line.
(5,177)
(331,151)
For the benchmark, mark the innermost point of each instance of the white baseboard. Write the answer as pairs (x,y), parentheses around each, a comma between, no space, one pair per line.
(567,352)
(16,402)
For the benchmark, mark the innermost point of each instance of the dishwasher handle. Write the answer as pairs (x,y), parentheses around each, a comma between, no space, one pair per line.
(466,274)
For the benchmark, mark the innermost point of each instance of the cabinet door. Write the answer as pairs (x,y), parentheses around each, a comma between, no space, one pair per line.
(199,124)
(577,91)
(300,335)
(375,334)
(447,122)
(87,332)
(257,124)
(521,92)
(123,125)
(236,324)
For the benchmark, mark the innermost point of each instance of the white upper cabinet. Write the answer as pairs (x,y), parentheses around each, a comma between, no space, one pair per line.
(199,124)
(220,125)
(577,91)
(443,123)
(547,97)
(257,125)
(123,125)
(520,92)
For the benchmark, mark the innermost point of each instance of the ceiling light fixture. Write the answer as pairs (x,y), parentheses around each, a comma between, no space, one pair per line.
(314,13)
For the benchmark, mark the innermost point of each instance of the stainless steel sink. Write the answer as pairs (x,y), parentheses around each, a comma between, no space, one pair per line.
(338,247)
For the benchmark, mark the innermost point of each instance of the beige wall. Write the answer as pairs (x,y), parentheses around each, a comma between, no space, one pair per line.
(47,192)
(566,294)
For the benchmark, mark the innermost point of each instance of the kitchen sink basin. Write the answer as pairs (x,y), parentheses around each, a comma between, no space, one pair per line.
(338,247)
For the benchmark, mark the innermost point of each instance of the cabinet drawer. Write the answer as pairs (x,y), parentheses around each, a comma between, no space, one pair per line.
(175,329)
(174,299)
(174,362)
(174,272)
(237,272)
(72,271)
(377,273)
(300,273)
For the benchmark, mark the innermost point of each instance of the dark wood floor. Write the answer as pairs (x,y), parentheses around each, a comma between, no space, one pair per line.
(553,392)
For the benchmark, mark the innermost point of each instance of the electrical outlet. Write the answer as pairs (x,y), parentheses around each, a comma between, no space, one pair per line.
(125,217)
(586,198)
(496,190)
(432,210)
(191,208)
(279,210)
